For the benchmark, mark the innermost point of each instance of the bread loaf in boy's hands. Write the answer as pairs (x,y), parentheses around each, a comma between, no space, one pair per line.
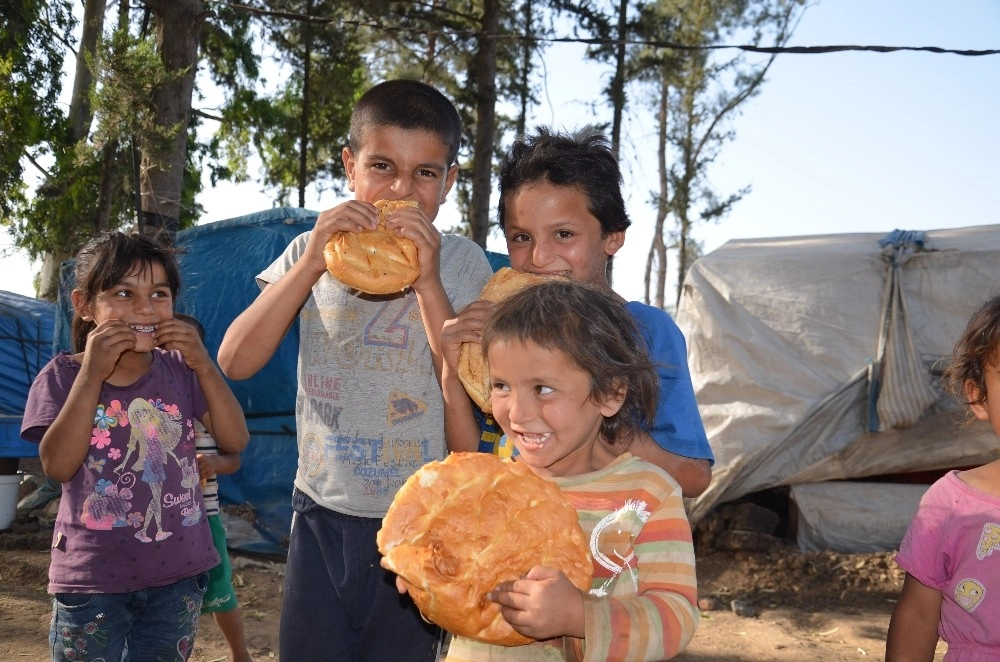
(374,261)
(458,528)
(472,369)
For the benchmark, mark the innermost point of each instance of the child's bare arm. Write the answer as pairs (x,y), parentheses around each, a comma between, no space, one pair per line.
(913,628)
(435,307)
(224,419)
(221,464)
(692,474)
(460,428)
(253,337)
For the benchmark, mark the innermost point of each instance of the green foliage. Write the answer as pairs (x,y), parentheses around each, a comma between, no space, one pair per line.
(31,121)
(128,70)
(268,121)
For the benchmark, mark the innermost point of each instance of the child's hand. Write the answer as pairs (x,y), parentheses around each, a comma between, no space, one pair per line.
(542,604)
(350,216)
(400,585)
(177,334)
(206,465)
(411,223)
(467,326)
(105,345)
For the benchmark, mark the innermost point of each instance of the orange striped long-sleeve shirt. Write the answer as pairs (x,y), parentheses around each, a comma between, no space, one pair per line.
(642,604)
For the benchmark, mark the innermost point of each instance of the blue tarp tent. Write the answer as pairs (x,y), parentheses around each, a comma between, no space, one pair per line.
(218,266)
(26,327)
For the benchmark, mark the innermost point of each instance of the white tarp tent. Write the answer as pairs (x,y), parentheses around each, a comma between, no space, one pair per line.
(818,358)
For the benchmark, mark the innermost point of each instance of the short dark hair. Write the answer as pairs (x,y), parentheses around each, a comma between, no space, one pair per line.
(582,159)
(593,328)
(978,347)
(108,259)
(410,105)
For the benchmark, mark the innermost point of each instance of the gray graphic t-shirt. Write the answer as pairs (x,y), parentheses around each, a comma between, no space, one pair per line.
(368,407)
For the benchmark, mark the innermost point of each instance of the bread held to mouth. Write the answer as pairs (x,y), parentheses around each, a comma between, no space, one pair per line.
(458,528)
(374,261)
(472,368)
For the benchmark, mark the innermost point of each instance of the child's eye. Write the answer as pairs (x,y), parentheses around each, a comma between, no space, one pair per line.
(121,293)
(500,387)
(564,234)
(426,174)
(543,390)
(519,238)
(159,294)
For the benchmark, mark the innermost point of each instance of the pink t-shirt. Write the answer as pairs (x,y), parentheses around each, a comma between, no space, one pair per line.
(953,546)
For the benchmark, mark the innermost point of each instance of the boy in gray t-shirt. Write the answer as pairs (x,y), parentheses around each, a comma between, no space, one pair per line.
(369,410)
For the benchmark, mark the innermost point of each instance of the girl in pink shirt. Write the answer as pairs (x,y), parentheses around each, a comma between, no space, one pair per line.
(951,552)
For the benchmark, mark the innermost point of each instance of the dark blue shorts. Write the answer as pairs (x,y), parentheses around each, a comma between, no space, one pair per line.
(339,603)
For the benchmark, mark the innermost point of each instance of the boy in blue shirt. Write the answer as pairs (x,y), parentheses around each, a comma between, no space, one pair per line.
(562,212)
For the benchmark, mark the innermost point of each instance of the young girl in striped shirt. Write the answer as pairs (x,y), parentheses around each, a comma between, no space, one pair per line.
(568,368)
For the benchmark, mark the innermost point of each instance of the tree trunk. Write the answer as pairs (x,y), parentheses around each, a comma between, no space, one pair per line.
(524,85)
(486,98)
(80,117)
(618,82)
(307,40)
(178,33)
(663,200)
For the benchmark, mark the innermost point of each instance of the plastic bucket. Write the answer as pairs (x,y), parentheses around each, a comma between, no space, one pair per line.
(9,486)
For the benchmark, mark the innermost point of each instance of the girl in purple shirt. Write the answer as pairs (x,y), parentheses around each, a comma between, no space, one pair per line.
(115,425)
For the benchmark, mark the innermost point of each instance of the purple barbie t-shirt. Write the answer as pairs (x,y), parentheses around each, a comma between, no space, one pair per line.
(132,516)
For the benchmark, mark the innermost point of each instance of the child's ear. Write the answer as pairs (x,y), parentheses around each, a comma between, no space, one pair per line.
(611,404)
(972,396)
(613,241)
(80,305)
(449,181)
(347,156)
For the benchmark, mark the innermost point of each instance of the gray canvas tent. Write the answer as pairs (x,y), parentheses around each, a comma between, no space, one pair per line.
(817,359)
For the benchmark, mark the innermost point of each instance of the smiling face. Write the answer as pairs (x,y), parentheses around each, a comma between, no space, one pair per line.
(542,400)
(142,300)
(399,164)
(550,230)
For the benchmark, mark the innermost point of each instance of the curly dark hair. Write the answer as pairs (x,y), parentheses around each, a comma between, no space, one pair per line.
(592,328)
(975,349)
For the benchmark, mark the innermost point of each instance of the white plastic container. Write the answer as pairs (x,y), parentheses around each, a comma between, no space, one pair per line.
(9,486)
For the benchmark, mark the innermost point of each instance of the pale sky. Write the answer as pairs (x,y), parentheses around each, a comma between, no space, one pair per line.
(842,142)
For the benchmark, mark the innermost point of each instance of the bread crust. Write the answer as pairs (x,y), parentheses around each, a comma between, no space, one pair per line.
(458,528)
(472,369)
(374,261)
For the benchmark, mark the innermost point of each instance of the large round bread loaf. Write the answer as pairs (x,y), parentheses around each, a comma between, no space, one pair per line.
(472,369)
(374,261)
(459,527)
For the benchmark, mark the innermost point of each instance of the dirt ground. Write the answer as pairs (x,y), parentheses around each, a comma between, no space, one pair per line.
(761,599)
(793,606)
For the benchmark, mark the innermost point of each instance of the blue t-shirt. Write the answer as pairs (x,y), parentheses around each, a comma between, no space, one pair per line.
(677,427)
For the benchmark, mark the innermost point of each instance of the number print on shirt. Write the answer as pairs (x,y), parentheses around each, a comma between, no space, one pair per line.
(385,329)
